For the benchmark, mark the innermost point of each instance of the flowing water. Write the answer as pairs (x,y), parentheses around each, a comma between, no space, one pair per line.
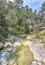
(5,55)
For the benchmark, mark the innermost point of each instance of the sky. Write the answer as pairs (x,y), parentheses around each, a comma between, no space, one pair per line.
(34,4)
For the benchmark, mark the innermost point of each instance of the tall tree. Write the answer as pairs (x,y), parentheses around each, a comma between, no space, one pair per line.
(42,11)
(18,2)
(3,24)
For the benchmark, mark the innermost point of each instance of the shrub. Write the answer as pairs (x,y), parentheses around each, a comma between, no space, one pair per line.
(1,38)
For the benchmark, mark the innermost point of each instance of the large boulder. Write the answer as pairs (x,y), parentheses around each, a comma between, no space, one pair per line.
(38,50)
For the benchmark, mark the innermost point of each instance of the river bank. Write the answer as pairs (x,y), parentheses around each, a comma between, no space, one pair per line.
(9,50)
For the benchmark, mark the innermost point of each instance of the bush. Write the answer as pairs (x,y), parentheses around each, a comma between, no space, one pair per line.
(5,34)
(1,38)
(22,30)
(43,41)
(31,29)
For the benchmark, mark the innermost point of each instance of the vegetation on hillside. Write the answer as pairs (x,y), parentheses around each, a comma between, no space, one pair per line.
(18,19)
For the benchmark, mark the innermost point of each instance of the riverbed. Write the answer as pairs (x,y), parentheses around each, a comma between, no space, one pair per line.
(6,54)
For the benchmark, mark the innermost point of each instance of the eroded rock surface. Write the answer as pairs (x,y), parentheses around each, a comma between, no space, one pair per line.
(38,50)
(35,47)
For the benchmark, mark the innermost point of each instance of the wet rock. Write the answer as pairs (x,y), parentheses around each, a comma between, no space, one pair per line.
(3,57)
(8,44)
(16,43)
(9,49)
(14,63)
(1,46)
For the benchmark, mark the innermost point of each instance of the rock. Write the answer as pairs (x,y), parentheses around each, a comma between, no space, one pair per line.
(23,36)
(37,49)
(9,50)
(30,37)
(27,43)
(17,43)
(42,31)
(8,44)
(12,39)
(14,63)
(36,63)
(1,46)
(25,55)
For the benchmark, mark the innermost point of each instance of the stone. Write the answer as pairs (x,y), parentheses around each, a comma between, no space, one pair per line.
(37,49)
(8,44)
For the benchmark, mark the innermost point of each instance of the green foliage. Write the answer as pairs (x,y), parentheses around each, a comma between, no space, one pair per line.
(1,38)
(22,30)
(31,29)
(15,16)
(18,2)
(20,22)
(43,41)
